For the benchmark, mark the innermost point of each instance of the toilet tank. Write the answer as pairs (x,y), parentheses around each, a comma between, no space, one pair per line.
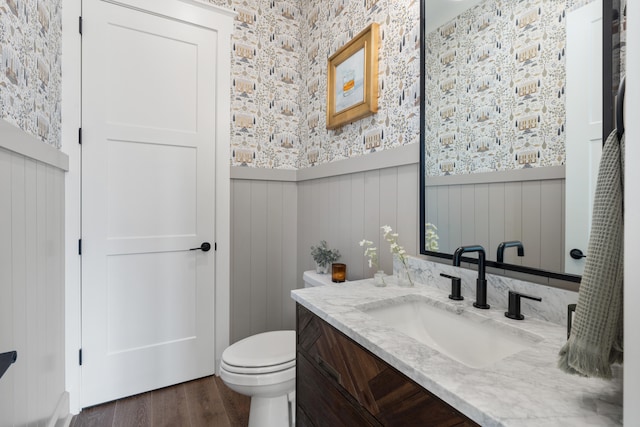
(313,279)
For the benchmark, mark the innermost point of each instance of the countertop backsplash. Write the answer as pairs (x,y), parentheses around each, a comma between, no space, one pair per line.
(552,308)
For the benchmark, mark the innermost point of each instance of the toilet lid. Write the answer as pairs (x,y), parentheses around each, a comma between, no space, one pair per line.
(261,350)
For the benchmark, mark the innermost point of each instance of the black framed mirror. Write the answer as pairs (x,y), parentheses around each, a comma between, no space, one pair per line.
(493,125)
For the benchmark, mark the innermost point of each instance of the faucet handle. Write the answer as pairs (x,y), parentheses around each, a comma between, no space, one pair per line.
(514,305)
(455,287)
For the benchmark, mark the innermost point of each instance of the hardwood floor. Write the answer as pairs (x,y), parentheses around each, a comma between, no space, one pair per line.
(204,402)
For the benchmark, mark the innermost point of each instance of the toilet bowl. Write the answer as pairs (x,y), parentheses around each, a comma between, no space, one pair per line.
(263,367)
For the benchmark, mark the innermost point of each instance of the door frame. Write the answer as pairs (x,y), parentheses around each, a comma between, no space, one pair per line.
(582,155)
(194,12)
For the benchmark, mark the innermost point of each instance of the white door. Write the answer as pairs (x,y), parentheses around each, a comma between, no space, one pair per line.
(584,126)
(148,106)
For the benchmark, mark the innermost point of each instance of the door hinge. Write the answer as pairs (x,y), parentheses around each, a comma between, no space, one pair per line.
(80,24)
(79,246)
(80,357)
(80,136)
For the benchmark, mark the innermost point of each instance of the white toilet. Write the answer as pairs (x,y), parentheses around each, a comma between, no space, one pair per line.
(263,366)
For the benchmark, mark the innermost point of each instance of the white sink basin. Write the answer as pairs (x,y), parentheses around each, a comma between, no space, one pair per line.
(462,334)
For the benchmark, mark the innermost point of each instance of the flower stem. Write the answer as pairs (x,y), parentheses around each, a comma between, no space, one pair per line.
(406,267)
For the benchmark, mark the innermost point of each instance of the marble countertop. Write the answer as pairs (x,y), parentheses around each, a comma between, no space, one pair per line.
(525,389)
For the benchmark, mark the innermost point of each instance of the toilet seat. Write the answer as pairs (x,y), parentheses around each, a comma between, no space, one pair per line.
(263,353)
(257,370)
(255,380)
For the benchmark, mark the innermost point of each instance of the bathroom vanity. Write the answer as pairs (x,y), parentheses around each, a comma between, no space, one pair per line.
(341,383)
(360,361)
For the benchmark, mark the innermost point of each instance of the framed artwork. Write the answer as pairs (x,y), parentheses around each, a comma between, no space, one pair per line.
(352,79)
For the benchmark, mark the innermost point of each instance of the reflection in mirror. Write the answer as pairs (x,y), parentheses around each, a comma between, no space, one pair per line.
(512,126)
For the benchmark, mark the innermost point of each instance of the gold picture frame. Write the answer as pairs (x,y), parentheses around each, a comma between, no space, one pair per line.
(355,69)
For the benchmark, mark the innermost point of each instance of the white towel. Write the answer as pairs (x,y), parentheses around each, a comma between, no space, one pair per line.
(596,333)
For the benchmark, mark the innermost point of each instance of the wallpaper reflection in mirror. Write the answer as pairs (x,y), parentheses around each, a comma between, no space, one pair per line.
(496,86)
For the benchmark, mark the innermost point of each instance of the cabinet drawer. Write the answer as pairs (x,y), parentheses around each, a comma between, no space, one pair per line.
(386,393)
(321,404)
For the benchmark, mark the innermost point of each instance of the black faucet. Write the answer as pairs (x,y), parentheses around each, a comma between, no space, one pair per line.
(481,283)
(512,244)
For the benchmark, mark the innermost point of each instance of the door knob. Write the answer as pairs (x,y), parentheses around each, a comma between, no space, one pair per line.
(204,247)
(576,254)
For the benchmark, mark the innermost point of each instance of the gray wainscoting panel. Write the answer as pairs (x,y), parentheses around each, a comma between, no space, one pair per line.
(31,288)
(490,213)
(275,223)
(264,257)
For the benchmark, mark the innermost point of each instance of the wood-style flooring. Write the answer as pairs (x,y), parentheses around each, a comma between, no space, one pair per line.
(204,402)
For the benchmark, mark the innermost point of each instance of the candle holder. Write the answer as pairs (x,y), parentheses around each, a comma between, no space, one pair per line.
(338,272)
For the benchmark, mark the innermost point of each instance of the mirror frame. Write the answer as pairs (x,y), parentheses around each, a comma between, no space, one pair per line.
(607,127)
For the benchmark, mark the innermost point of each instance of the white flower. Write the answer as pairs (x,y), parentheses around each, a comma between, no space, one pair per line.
(395,248)
(431,237)
(370,252)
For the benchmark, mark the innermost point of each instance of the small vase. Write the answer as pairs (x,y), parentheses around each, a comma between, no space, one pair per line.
(378,279)
(403,278)
(322,269)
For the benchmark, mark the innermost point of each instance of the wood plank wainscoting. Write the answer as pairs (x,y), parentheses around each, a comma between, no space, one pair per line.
(264,254)
(277,215)
(32,193)
(275,223)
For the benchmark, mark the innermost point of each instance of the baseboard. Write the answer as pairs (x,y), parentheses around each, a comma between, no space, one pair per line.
(61,416)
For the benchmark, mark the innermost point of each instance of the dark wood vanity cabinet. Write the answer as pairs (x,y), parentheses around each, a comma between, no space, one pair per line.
(339,383)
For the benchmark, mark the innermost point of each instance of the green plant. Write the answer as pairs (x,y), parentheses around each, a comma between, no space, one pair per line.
(322,255)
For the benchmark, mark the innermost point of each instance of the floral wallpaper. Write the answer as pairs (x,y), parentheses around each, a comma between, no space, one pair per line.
(30,67)
(265,83)
(279,68)
(326,26)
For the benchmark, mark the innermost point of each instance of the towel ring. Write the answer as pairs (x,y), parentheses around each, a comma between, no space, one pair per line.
(620,108)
